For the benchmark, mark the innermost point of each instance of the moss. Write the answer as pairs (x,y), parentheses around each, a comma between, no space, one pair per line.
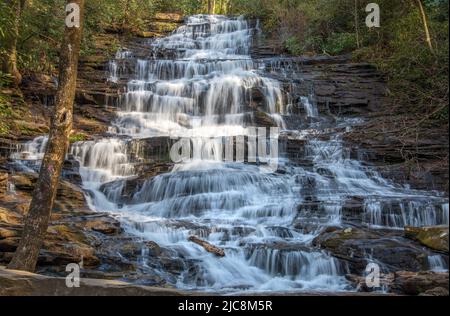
(80,137)
(435,238)
(6,113)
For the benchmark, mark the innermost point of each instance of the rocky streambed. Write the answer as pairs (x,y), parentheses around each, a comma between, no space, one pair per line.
(127,211)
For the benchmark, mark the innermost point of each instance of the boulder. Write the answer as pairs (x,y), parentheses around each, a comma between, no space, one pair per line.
(102,224)
(438,291)
(407,283)
(435,237)
(355,246)
(411,283)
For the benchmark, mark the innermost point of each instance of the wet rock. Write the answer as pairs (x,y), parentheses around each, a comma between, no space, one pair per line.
(411,283)
(356,246)
(359,282)
(102,224)
(9,217)
(406,283)
(353,209)
(124,190)
(257,98)
(71,171)
(435,237)
(262,119)
(172,265)
(131,250)
(439,291)
(153,248)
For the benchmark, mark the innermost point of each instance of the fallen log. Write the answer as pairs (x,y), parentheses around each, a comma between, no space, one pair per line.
(207,246)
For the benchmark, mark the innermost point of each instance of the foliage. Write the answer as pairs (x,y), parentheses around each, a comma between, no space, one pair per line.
(5,113)
(415,74)
(74,138)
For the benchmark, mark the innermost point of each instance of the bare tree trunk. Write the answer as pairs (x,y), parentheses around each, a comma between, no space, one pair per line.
(358,44)
(126,14)
(210,6)
(207,246)
(223,7)
(36,223)
(9,58)
(425,25)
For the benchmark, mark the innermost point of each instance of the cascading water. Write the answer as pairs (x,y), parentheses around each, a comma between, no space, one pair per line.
(209,89)
(29,155)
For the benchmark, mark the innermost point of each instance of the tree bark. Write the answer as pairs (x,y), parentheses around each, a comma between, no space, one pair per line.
(9,58)
(358,45)
(126,15)
(207,246)
(425,25)
(210,6)
(38,217)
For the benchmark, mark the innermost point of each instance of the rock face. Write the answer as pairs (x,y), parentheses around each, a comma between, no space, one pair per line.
(69,196)
(355,246)
(435,238)
(411,283)
(75,235)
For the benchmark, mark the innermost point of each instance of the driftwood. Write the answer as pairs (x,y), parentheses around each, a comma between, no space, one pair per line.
(207,246)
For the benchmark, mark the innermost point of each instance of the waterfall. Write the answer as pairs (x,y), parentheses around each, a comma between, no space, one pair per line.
(437,264)
(29,155)
(211,88)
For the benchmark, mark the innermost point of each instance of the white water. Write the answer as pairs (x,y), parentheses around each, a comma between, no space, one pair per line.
(437,264)
(206,92)
(30,154)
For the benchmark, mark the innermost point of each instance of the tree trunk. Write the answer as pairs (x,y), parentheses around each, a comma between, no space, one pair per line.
(9,58)
(210,6)
(224,6)
(358,45)
(126,15)
(207,246)
(425,25)
(36,223)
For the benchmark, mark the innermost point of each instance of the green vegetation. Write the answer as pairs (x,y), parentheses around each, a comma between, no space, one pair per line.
(5,113)
(80,137)
(417,75)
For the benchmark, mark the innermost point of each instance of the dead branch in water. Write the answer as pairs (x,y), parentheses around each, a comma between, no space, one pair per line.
(208,247)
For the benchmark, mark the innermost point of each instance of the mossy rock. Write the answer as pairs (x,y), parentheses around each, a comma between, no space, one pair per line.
(435,237)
